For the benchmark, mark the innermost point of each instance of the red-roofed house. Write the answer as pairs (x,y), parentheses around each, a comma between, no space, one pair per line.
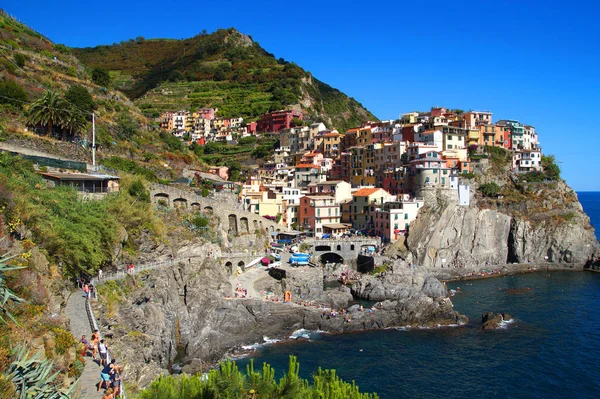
(362,201)
(306,174)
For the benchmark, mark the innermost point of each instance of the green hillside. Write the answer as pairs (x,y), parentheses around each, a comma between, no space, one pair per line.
(226,70)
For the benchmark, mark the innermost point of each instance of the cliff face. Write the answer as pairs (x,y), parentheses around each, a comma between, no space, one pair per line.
(546,224)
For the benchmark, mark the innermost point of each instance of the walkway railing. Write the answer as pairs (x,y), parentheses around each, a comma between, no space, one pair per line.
(94,325)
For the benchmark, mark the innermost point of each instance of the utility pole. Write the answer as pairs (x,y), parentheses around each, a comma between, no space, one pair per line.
(93,141)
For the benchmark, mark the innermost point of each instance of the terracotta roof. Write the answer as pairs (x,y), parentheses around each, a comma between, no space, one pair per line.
(306,165)
(365,192)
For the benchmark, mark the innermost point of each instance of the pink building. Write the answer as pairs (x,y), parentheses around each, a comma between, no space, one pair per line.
(207,113)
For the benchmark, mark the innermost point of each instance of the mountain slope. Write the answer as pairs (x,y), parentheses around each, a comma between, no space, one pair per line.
(226,70)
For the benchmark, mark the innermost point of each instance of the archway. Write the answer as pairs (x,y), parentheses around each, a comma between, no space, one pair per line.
(242,265)
(195,206)
(244,225)
(255,224)
(233,228)
(338,248)
(352,247)
(331,257)
(180,203)
(208,210)
(229,266)
(162,199)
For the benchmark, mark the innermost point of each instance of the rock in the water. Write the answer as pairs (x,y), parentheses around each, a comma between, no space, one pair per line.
(492,320)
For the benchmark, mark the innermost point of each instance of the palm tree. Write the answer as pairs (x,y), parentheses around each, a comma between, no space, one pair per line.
(75,121)
(49,110)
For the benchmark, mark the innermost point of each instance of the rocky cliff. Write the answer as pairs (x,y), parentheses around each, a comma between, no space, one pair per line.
(184,315)
(534,223)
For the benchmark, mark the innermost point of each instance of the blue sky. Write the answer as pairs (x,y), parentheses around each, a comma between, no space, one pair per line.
(535,61)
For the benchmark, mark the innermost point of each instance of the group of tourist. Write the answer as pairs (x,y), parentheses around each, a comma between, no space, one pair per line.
(88,288)
(483,273)
(240,292)
(110,375)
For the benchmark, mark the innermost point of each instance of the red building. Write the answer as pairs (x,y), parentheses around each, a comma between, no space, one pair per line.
(276,121)
(251,127)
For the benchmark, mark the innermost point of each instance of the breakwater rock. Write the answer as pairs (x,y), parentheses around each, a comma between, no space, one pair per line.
(492,320)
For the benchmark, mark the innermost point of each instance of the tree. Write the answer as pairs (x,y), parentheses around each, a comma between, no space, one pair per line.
(80,98)
(100,76)
(295,122)
(49,110)
(551,169)
(75,121)
(13,93)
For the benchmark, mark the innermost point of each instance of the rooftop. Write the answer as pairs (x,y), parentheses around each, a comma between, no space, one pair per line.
(365,192)
(77,176)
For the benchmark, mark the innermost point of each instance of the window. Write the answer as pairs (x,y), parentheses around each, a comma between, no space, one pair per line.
(406,216)
(352,247)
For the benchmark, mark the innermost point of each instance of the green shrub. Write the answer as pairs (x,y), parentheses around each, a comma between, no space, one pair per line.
(100,76)
(20,59)
(489,189)
(227,381)
(13,93)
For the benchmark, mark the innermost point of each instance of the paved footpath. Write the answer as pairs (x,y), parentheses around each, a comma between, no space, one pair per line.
(80,325)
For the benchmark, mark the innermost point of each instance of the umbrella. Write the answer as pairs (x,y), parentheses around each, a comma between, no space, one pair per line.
(265,261)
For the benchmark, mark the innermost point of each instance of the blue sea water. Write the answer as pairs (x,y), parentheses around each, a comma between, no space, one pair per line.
(591,205)
(551,350)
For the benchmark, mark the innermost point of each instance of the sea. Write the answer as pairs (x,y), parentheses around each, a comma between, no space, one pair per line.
(550,350)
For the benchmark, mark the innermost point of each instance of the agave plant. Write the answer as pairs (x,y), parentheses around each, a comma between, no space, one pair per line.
(31,377)
(7,297)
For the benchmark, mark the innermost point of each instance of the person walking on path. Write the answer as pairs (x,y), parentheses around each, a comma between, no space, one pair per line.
(85,345)
(94,344)
(86,290)
(99,274)
(103,349)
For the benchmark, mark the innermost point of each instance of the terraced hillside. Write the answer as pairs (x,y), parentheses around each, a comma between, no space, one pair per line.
(226,70)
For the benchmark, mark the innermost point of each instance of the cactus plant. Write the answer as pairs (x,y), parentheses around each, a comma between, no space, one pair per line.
(31,377)
(7,297)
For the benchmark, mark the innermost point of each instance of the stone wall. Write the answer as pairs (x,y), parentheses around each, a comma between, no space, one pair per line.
(232,217)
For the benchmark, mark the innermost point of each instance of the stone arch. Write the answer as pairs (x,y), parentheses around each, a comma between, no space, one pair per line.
(331,257)
(229,266)
(195,206)
(233,227)
(242,265)
(255,224)
(162,197)
(338,248)
(244,228)
(180,203)
(208,210)
(319,248)
(271,229)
